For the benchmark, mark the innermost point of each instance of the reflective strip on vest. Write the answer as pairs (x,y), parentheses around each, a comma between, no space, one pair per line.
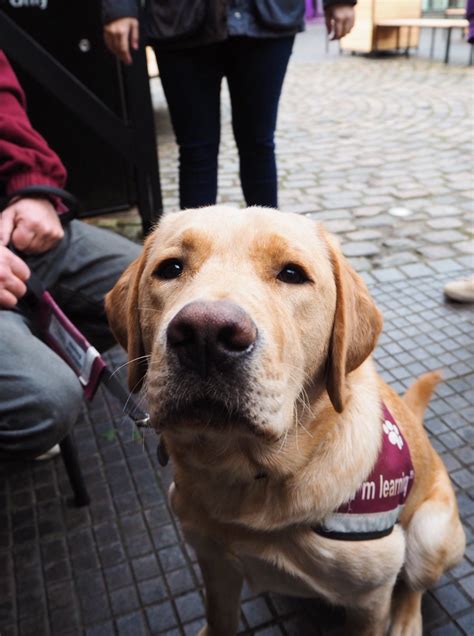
(376,506)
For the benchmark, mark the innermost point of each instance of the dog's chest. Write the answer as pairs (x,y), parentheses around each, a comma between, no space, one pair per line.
(296,566)
(307,565)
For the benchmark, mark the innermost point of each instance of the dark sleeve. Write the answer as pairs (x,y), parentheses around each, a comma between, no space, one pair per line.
(116,9)
(25,157)
(328,3)
(470,10)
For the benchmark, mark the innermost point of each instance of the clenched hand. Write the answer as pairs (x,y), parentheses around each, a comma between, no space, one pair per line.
(32,226)
(339,20)
(120,35)
(13,275)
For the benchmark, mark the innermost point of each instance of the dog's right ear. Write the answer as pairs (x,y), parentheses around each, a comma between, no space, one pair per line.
(357,326)
(121,306)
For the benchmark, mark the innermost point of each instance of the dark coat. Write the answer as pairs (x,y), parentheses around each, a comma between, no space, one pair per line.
(179,23)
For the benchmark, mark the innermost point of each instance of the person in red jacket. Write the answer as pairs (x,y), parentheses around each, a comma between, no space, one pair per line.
(40,396)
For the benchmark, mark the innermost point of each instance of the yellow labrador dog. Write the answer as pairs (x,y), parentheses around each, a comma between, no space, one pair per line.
(296,466)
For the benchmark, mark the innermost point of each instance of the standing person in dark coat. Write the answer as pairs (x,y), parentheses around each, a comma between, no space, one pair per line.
(470,19)
(197,43)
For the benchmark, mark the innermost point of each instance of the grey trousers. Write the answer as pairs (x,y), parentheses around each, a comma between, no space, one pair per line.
(40,396)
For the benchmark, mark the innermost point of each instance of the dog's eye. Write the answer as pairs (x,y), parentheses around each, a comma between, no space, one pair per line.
(171,268)
(293,274)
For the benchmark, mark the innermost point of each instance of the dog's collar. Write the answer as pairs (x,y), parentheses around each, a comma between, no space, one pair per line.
(376,506)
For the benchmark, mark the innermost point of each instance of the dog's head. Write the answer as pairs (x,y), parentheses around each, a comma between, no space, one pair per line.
(240,318)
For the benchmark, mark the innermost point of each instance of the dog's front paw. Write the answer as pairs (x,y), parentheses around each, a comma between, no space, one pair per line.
(409,624)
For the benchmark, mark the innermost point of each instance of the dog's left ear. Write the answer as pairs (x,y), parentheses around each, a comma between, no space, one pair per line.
(357,326)
(121,305)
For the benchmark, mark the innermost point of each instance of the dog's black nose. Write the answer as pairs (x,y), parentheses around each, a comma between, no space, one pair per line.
(211,334)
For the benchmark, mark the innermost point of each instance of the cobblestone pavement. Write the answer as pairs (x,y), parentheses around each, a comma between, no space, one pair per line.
(381,151)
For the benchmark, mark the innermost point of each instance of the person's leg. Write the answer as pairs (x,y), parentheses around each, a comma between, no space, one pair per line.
(91,265)
(40,396)
(191,80)
(255,72)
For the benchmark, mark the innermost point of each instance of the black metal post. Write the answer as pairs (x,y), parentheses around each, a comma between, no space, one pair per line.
(407,50)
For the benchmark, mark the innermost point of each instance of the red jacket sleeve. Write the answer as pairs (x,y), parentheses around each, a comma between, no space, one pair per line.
(25,157)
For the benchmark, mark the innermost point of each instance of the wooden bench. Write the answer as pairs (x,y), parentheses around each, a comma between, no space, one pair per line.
(455,13)
(447,24)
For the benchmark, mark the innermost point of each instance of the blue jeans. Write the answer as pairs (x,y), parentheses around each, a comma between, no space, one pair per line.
(191,79)
(40,396)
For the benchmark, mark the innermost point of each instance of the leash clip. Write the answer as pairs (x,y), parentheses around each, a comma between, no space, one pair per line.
(143,422)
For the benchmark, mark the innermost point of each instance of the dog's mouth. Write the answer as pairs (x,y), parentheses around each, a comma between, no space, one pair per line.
(207,413)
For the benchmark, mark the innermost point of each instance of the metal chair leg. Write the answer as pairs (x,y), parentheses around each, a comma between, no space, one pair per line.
(73,469)
(448,44)
(407,50)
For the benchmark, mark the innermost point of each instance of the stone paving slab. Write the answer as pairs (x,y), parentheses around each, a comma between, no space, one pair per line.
(120,565)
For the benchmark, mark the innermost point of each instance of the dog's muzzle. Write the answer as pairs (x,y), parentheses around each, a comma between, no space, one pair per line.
(206,337)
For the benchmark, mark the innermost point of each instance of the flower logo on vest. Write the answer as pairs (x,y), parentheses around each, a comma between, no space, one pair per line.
(393,433)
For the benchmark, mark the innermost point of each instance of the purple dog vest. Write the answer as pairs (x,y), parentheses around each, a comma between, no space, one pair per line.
(377,504)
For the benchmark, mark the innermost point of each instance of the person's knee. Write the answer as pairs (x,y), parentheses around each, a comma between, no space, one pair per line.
(59,406)
(40,396)
(64,405)
(44,415)
(256,147)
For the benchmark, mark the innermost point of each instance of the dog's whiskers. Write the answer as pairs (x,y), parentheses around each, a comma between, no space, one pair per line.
(130,393)
(285,437)
(125,364)
(305,429)
(303,400)
(305,376)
